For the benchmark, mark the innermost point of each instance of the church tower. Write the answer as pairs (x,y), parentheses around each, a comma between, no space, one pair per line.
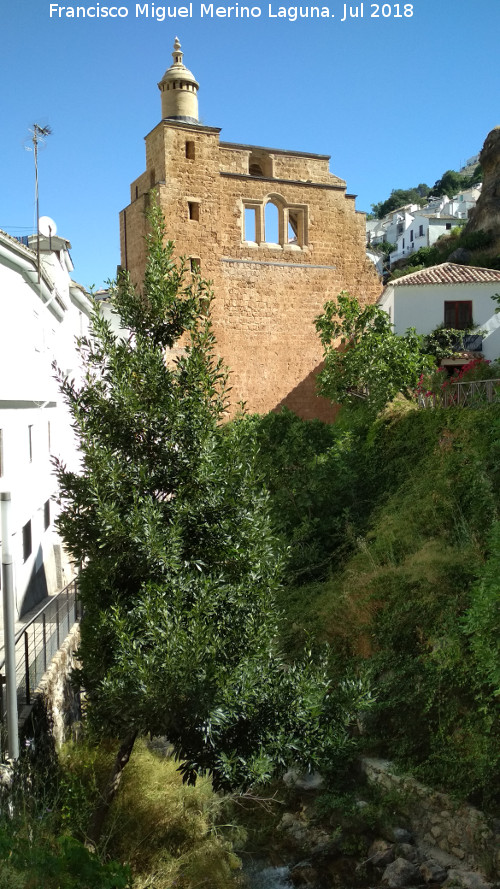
(179,89)
(274,231)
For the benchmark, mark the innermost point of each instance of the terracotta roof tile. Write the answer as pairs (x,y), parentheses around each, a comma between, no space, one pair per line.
(449,273)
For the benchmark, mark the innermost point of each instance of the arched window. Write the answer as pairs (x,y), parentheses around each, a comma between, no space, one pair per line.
(271,223)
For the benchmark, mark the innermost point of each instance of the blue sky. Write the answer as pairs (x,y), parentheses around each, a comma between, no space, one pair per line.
(394,100)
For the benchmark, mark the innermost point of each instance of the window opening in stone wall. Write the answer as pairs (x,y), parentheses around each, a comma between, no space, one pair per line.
(27,544)
(293,228)
(190,150)
(260,164)
(46,514)
(194,210)
(30,443)
(250,224)
(271,223)
(152,178)
(195,265)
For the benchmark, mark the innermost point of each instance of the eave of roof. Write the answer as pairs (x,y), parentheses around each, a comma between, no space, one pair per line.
(448,273)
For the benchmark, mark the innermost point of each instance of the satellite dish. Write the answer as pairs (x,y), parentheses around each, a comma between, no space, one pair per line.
(47,226)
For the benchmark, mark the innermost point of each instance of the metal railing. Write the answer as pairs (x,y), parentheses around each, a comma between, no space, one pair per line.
(464,394)
(37,643)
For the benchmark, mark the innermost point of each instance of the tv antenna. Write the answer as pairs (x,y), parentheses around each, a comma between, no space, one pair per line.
(38,136)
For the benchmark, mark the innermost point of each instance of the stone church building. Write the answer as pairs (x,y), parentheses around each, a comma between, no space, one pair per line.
(273,230)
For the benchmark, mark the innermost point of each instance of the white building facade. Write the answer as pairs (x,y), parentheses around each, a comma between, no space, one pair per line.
(40,317)
(411,227)
(450,295)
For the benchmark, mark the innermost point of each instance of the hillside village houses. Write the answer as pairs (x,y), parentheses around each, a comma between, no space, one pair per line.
(411,227)
(41,314)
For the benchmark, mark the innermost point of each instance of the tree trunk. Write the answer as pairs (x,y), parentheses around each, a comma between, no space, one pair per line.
(104,805)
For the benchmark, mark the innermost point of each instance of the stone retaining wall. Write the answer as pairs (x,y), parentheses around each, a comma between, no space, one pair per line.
(60,703)
(457,829)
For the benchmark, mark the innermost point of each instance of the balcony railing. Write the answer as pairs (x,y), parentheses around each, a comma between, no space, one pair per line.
(37,643)
(475,393)
(469,342)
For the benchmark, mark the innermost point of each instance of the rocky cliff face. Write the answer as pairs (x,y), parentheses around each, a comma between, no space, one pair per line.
(486,216)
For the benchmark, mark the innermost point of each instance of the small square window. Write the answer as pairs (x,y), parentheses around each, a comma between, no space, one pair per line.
(190,150)
(194,210)
(458,314)
(27,544)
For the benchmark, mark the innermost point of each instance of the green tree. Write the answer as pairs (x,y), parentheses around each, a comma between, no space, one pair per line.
(365,361)
(399,197)
(482,621)
(179,565)
(450,183)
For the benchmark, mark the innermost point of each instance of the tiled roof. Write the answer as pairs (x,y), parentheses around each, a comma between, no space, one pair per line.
(449,273)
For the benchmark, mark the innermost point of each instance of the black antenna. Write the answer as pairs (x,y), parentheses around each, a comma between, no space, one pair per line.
(38,135)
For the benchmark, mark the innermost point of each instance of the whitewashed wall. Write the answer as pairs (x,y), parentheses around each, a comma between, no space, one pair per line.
(38,324)
(422,307)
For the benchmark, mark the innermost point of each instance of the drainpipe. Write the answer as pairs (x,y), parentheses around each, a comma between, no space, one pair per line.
(8,626)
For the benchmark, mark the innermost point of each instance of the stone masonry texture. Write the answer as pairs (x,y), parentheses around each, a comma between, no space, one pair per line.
(266,294)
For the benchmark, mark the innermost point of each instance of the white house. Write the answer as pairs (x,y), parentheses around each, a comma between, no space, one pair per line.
(411,227)
(422,230)
(40,316)
(452,295)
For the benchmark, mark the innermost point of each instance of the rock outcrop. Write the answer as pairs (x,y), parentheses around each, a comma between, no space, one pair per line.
(486,215)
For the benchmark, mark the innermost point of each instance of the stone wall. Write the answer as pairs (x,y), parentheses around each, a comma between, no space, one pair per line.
(266,294)
(58,700)
(457,829)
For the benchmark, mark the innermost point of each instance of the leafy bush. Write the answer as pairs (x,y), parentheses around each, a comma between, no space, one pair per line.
(405,602)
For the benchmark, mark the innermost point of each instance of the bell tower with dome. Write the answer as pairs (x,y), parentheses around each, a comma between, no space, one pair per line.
(273,230)
(179,90)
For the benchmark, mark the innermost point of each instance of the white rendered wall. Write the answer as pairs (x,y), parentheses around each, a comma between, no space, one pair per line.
(422,307)
(32,335)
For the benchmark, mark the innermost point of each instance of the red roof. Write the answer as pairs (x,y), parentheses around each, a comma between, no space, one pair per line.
(449,273)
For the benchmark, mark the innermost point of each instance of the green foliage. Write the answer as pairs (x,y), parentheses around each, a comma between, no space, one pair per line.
(385,248)
(473,242)
(450,183)
(399,197)
(37,848)
(179,564)
(443,342)
(170,833)
(482,619)
(370,362)
(310,470)
(405,600)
